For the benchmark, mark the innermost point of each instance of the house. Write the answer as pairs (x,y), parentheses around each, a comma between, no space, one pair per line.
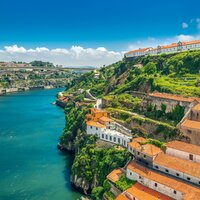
(178,167)
(170,100)
(190,126)
(183,150)
(145,153)
(164,184)
(141,192)
(100,124)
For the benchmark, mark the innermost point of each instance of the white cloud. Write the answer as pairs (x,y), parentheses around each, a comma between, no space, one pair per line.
(185,38)
(15,49)
(184,25)
(74,56)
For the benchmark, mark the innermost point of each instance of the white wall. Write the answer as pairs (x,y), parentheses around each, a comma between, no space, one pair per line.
(177,173)
(92,130)
(151,184)
(109,135)
(182,154)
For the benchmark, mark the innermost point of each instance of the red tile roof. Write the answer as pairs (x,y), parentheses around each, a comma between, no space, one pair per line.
(95,124)
(134,145)
(190,124)
(105,119)
(182,146)
(150,149)
(190,192)
(138,50)
(140,192)
(178,164)
(114,175)
(197,107)
(140,139)
(172,97)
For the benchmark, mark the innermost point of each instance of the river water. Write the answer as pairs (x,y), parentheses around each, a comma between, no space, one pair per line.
(31,167)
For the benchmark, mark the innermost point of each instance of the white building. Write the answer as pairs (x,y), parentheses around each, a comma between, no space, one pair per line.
(163,184)
(172,48)
(104,128)
(183,150)
(177,167)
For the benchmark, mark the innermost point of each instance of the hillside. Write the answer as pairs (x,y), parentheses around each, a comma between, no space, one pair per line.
(170,73)
(116,84)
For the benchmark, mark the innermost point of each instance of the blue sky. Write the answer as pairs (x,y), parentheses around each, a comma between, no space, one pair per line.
(116,25)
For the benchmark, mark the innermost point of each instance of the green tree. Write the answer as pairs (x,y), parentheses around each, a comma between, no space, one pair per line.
(150,68)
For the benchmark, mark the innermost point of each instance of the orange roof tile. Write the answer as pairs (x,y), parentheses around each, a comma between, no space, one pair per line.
(169,46)
(96,124)
(185,166)
(182,146)
(190,124)
(192,42)
(62,98)
(138,50)
(114,175)
(150,149)
(190,192)
(140,139)
(134,144)
(122,197)
(172,97)
(105,119)
(197,107)
(95,110)
(141,192)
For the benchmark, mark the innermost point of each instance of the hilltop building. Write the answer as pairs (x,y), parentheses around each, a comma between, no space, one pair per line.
(171,48)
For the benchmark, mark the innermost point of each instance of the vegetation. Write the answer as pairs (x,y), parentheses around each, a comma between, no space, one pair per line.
(38,63)
(171,73)
(124,183)
(123,101)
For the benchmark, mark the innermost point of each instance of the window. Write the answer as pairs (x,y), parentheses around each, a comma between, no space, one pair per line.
(140,177)
(91,127)
(124,142)
(156,167)
(189,131)
(177,174)
(188,178)
(156,184)
(96,128)
(174,191)
(191,157)
(102,135)
(131,173)
(199,182)
(167,170)
(106,137)
(119,140)
(110,137)
(138,153)
(144,156)
(114,139)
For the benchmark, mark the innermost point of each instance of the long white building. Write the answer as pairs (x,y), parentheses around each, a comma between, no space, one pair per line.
(171,48)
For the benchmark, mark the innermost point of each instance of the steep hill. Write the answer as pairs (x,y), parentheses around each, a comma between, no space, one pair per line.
(170,73)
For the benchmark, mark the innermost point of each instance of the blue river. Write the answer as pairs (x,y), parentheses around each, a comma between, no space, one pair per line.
(31,167)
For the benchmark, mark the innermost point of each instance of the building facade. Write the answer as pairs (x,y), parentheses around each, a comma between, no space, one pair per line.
(172,48)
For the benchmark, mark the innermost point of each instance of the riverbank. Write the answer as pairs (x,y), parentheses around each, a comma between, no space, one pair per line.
(4,91)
